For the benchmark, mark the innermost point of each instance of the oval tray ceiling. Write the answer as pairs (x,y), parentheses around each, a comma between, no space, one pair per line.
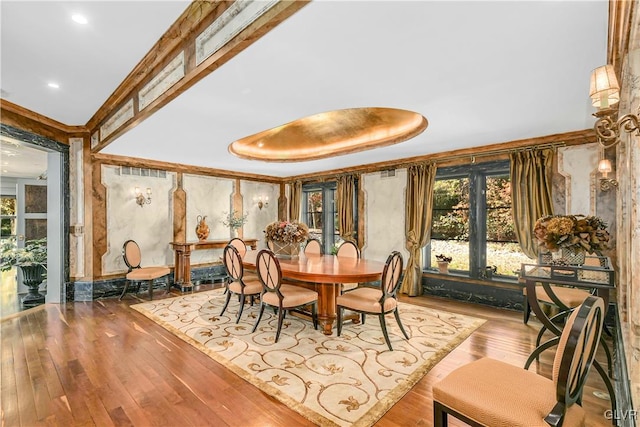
(330,134)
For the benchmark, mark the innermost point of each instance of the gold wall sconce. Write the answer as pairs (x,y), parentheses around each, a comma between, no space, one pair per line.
(262,201)
(605,94)
(141,200)
(604,167)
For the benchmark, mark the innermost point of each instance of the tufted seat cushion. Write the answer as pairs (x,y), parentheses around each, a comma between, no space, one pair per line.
(479,391)
(366,299)
(294,296)
(147,273)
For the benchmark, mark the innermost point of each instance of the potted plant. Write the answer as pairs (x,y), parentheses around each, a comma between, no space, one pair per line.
(32,262)
(443,263)
(234,220)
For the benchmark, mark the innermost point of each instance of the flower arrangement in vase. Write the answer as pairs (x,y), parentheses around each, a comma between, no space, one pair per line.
(575,233)
(234,220)
(286,237)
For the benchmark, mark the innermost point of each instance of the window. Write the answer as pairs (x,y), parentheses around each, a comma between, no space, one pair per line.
(7,217)
(320,214)
(472,221)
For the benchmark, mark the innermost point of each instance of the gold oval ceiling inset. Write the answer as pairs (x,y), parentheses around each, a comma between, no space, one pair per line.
(330,134)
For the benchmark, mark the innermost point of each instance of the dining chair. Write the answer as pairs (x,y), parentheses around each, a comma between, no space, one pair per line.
(379,301)
(241,246)
(348,249)
(489,392)
(137,274)
(313,246)
(281,297)
(236,284)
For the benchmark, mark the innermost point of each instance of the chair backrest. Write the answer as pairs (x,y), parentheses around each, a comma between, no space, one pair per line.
(269,271)
(575,353)
(348,249)
(232,263)
(313,246)
(391,274)
(239,244)
(131,254)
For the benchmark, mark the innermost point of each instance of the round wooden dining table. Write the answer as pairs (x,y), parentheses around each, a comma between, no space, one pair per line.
(324,274)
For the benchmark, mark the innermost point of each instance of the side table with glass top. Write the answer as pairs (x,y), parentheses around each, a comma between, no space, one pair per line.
(596,276)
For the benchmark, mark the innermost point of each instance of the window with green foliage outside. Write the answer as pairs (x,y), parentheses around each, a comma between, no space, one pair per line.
(473,223)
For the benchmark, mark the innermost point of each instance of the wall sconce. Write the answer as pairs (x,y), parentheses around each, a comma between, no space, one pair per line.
(141,199)
(263,203)
(605,92)
(604,167)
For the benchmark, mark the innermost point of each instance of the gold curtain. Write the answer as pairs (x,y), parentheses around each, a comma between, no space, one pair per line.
(418,216)
(531,173)
(345,196)
(295,200)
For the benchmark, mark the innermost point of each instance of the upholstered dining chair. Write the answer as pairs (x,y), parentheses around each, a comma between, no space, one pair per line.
(348,249)
(281,296)
(313,246)
(490,392)
(378,301)
(241,246)
(138,274)
(236,284)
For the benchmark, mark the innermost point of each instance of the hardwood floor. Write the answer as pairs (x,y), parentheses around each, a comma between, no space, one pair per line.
(101,363)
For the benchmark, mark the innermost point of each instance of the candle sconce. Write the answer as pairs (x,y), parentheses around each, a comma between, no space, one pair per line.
(141,200)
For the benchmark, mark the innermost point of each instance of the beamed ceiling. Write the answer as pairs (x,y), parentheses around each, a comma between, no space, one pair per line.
(481,72)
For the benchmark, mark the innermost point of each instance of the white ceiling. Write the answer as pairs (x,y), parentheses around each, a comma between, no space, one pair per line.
(481,72)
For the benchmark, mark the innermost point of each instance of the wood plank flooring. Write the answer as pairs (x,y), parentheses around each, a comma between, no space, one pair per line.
(103,364)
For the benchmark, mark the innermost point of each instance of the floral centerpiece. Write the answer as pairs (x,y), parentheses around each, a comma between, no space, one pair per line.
(286,237)
(287,232)
(576,233)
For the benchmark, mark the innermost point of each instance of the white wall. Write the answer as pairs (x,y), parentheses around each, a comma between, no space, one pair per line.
(385,210)
(151,226)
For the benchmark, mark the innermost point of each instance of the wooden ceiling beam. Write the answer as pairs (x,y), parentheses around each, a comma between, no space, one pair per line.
(181,37)
(21,118)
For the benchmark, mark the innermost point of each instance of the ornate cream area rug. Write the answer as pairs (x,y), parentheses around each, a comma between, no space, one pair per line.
(351,380)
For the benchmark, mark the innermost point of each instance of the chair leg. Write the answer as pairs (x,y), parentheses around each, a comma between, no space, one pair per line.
(397,315)
(281,312)
(383,325)
(124,291)
(439,415)
(363,317)
(259,317)
(314,315)
(240,309)
(340,310)
(527,310)
(226,303)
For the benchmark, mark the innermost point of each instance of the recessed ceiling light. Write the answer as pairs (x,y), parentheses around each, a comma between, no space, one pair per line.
(53,85)
(79,19)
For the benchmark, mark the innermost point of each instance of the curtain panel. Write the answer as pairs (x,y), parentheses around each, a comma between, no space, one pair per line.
(295,200)
(531,173)
(418,216)
(345,196)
